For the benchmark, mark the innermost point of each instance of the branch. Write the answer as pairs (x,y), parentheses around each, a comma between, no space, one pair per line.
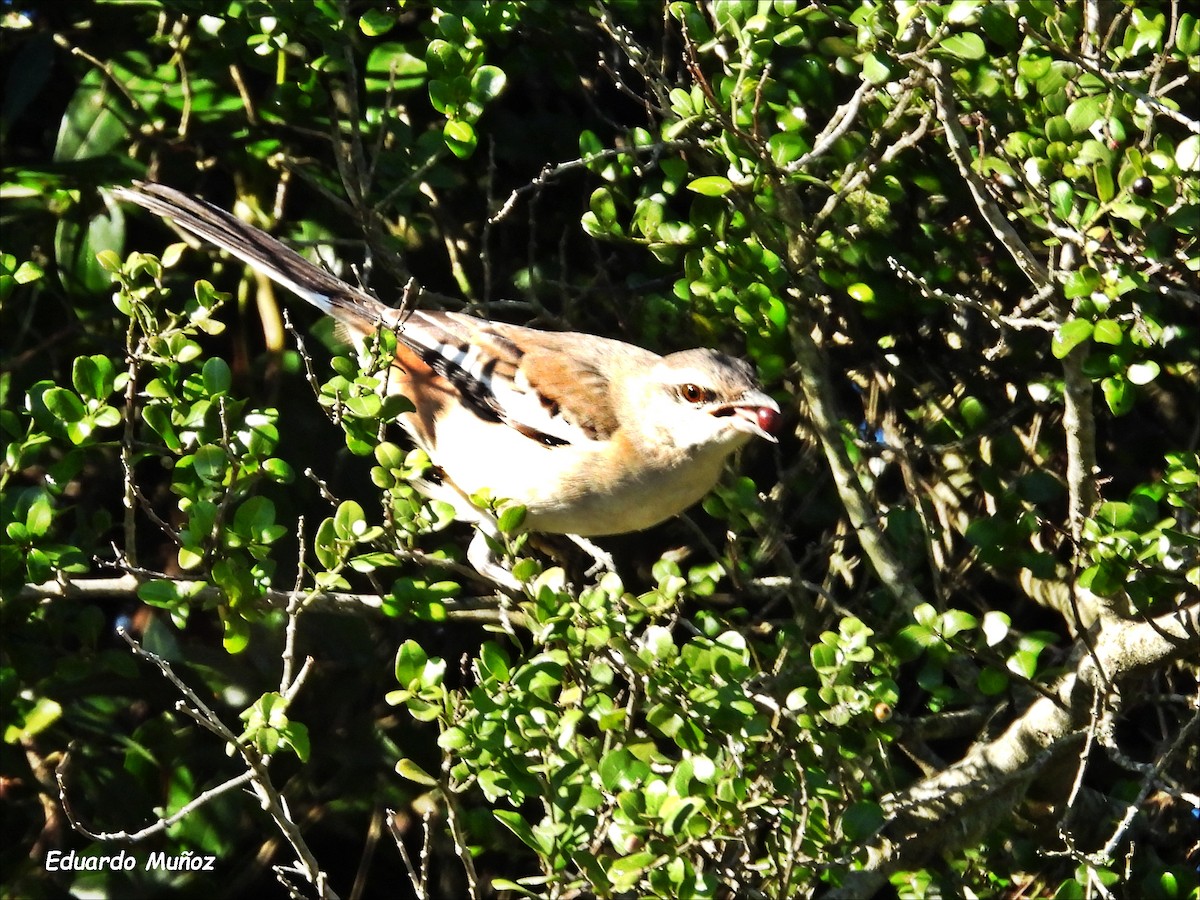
(256,776)
(956,141)
(814,382)
(952,808)
(483,609)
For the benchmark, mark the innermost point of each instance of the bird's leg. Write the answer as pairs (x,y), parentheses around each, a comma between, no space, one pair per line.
(481,554)
(601,561)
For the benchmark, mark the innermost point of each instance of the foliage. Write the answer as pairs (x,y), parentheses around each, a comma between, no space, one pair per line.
(942,643)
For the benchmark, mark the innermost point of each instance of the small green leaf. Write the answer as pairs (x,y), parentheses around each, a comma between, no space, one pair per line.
(1081,282)
(992,682)
(956,621)
(217,376)
(375,22)
(875,69)
(64,404)
(325,546)
(710,185)
(1105,188)
(965,46)
(410,662)
(253,516)
(1118,394)
(863,293)
(237,633)
(1142,372)
(518,826)
(1034,65)
(92,377)
(487,83)
(604,206)
(511,519)
(160,592)
(1187,36)
(861,820)
(1069,336)
(406,768)
(1083,113)
(786,147)
(460,138)
(209,462)
(350,521)
(1107,331)
(1062,196)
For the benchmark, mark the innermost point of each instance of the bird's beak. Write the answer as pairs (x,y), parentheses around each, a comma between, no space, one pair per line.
(754,413)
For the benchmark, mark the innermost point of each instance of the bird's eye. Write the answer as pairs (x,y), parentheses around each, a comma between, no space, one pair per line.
(693,393)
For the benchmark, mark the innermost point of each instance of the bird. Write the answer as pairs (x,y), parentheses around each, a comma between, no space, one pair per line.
(593,436)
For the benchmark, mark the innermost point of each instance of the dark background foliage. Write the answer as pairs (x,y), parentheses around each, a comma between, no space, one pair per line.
(942,640)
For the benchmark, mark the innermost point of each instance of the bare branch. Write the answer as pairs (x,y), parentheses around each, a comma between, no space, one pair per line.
(992,777)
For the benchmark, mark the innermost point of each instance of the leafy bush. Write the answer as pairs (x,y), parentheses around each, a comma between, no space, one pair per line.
(943,642)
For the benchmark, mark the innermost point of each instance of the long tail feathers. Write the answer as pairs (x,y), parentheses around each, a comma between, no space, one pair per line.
(357,310)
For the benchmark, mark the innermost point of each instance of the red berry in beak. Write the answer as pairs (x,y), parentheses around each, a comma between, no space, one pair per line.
(768,419)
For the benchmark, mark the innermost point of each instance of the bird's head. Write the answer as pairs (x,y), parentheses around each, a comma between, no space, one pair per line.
(702,399)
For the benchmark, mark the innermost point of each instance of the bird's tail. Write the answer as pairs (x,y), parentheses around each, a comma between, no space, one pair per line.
(357,310)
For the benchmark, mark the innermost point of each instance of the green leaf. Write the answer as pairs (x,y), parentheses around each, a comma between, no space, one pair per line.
(875,69)
(1062,196)
(1082,282)
(710,185)
(1034,65)
(518,826)
(40,517)
(861,820)
(65,405)
(410,662)
(460,138)
(863,293)
(956,621)
(253,516)
(604,207)
(1105,188)
(1069,336)
(487,83)
(1107,331)
(1083,113)
(406,768)
(349,521)
(93,376)
(992,682)
(45,712)
(453,739)
(443,97)
(375,22)
(786,147)
(1000,25)
(1142,372)
(217,376)
(237,633)
(511,518)
(1119,394)
(210,462)
(325,546)
(626,871)
(965,46)
(1187,35)
(93,124)
(494,663)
